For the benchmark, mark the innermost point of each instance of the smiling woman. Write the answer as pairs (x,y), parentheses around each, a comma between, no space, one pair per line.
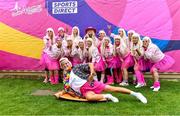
(81,81)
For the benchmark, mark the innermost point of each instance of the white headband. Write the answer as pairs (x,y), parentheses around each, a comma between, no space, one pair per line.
(131,31)
(64,59)
(106,38)
(60,29)
(136,35)
(102,31)
(147,38)
(117,37)
(120,29)
(50,29)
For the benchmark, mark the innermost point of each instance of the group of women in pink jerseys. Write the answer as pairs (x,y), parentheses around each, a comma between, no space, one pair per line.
(111,61)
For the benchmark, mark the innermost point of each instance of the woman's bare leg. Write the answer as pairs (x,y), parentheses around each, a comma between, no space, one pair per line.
(91,96)
(125,77)
(109,88)
(52,76)
(56,76)
(102,76)
(125,74)
(155,75)
(46,76)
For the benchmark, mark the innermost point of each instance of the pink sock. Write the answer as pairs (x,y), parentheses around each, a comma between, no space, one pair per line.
(120,77)
(156,84)
(116,76)
(140,77)
(56,79)
(52,80)
(110,79)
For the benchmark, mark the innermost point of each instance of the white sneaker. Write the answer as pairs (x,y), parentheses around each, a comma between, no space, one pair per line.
(141,98)
(45,81)
(152,87)
(124,84)
(139,85)
(156,89)
(112,98)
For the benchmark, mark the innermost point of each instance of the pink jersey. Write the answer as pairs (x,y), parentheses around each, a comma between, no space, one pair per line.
(76,38)
(48,43)
(122,50)
(83,54)
(94,54)
(68,52)
(64,38)
(108,52)
(134,52)
(55,52)
(153,53)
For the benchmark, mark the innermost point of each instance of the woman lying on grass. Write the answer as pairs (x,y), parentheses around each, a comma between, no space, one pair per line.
(80,81)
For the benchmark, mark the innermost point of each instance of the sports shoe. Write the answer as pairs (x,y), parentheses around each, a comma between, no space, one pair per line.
(156,88)
(141,98)
(139,85)
(152,87)
(124,84)
(112,98)
(45,80)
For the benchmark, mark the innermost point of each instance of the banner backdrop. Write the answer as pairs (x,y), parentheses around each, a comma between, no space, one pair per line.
(23,24)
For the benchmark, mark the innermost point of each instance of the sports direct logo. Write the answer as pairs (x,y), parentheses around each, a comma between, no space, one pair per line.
(69,7)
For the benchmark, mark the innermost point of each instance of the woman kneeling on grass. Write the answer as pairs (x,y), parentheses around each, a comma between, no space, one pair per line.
(80,80)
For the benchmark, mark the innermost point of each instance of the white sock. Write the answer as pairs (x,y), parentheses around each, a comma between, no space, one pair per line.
(110,97)
(133,93)
(139,96)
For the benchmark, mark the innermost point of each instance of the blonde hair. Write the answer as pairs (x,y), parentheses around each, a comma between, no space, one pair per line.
(147,38)
(81,52)
(122,44)
(90,49)
(131,31)
(139,44)
(78,33)
(102,31)
(102,48)
(124,38)
(53,38)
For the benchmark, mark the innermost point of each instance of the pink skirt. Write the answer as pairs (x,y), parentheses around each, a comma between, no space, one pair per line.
(128,61)
(100,66)
(97,88)
(49,63)
(164,64)
(144,65)
(113,62)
